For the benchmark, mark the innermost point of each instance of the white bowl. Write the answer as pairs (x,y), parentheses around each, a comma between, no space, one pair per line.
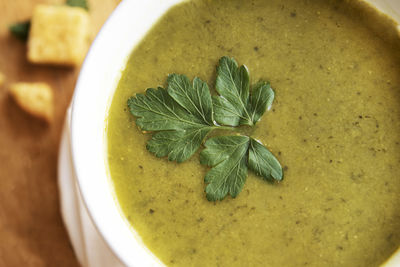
(95,87)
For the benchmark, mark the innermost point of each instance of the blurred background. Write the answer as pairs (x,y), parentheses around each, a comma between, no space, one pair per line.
(31,230)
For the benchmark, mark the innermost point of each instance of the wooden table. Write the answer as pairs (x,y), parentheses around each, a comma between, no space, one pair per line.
(31,230)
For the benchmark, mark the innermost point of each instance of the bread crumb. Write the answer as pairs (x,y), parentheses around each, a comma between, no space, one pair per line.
(2,79)
(59,35)
(34,98)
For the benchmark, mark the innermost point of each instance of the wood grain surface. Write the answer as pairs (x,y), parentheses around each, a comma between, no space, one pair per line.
(31,230)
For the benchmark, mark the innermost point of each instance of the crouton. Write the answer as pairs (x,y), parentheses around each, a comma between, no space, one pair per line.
(59,35)
(34,98)
(2,79)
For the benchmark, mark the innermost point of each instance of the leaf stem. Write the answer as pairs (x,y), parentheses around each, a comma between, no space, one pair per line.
(224,128)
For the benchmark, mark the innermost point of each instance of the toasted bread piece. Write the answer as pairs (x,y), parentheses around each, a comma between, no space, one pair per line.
(2,79)
(34,98)
(59,35)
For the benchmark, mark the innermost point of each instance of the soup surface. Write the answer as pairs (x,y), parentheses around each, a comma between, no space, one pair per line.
(334,126)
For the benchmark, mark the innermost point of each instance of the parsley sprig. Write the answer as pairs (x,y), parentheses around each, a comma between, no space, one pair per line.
(181,116)
(21,30)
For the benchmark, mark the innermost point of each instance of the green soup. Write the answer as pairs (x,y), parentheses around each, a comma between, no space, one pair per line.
(334,126)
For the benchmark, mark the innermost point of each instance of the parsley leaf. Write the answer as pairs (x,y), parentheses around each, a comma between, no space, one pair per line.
(235,106)
(182,115)
(195,98)
(78,3)
(263,163)
(230,157)
(20,30)
(261,99)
